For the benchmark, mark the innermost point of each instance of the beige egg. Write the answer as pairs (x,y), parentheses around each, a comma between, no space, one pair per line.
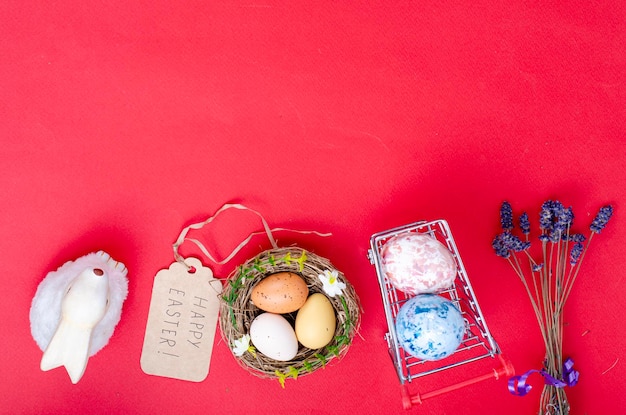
(273,336)
(316,322)
(280,293)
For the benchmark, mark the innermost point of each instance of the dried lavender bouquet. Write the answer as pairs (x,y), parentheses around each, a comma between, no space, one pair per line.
(548,283)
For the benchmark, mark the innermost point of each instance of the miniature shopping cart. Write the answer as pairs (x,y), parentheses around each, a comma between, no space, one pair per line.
(478,344)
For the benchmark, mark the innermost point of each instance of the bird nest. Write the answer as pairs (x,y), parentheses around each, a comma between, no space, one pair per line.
(237,312)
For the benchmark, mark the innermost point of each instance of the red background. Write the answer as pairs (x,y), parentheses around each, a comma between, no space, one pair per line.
(122,123)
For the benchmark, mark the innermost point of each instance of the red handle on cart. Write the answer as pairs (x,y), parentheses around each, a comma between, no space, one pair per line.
(505,370)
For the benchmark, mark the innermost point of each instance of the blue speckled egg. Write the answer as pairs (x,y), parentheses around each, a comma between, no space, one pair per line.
(429,327)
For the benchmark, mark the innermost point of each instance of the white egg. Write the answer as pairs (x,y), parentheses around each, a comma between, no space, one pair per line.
(273,336)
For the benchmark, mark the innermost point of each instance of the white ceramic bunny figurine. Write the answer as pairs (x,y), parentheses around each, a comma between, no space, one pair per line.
(76,309)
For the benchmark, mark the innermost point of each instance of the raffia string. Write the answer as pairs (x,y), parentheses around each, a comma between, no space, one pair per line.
(195,226)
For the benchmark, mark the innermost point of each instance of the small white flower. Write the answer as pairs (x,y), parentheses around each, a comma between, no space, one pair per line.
(332,285)
(242,345)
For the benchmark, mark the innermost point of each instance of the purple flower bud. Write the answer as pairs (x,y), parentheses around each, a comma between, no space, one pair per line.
(500,248)
(567,216)
(513,243)
(506,216)
(555,235)
(524,223)
(545,216)
(575,237)
(537,267)
(563,222)
(601,219)
(551,211)
(557,209)
(575,253)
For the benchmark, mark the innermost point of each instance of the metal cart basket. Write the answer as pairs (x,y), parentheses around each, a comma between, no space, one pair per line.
(478,343)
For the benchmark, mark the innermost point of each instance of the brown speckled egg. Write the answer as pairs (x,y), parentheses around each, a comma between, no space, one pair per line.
(280,293)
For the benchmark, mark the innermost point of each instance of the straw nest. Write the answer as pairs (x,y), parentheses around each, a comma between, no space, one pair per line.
(237,311)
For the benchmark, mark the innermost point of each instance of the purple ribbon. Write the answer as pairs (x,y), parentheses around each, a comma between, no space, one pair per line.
(519,387)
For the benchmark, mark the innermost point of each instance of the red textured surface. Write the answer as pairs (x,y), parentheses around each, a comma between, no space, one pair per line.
(122,123)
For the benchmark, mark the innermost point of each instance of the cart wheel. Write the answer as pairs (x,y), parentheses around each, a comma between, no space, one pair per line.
(507,368)
(407,399)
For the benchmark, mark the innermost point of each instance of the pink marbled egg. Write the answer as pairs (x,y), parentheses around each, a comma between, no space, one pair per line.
(417,264)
